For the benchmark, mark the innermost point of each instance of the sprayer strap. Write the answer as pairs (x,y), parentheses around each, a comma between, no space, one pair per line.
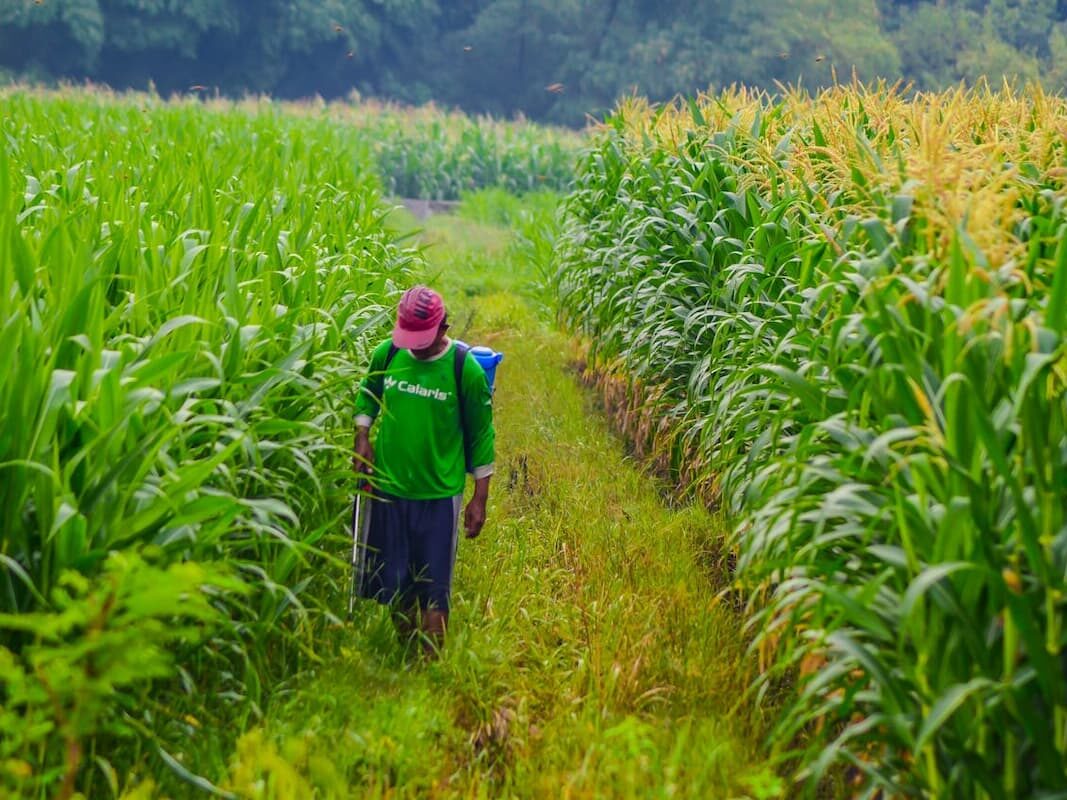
(460,360)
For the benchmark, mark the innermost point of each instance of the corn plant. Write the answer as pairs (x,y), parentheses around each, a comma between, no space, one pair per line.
(187,296)
(849,311)
(429,153)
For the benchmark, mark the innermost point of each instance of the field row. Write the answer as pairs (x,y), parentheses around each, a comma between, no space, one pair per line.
(186,299)
(843,318)
(188,294)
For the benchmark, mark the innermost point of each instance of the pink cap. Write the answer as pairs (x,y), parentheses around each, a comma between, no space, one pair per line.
(418,317)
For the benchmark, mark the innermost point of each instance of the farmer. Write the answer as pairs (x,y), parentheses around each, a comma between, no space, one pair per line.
(435,424)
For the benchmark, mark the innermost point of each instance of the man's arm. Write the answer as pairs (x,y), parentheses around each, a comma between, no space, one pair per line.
(367,404)
(474,516)
(363,450)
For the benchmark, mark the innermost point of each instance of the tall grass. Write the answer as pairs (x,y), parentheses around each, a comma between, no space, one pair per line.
(847,313)
(186,299)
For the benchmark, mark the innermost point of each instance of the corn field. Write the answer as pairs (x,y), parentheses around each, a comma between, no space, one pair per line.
(187,296)
(842,318)
(433,154)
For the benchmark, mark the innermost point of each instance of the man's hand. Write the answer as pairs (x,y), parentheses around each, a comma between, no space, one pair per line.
(474,516)
(363,460)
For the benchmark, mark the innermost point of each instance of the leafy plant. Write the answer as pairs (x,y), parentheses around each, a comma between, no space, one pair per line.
(429,153)
(846,313)
(186,299)
(81,668)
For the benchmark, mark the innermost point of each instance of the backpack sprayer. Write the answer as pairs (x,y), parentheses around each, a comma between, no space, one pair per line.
(488,359)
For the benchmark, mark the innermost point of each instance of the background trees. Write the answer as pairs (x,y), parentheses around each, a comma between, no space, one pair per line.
(555,60)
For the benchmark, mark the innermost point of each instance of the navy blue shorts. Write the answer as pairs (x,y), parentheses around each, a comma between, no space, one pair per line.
(407,550)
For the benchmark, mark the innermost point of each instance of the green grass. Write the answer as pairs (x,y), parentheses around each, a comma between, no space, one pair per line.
(587,656)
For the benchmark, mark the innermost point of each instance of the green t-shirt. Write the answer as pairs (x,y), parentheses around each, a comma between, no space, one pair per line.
(419,452)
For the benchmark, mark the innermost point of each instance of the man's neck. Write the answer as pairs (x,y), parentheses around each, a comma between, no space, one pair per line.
(432,352)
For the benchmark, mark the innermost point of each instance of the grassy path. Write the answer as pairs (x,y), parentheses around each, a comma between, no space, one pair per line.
(586,656)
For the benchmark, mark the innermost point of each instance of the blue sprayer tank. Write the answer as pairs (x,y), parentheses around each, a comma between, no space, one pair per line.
(487,359)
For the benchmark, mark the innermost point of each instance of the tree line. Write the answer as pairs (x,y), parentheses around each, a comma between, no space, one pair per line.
(551,60)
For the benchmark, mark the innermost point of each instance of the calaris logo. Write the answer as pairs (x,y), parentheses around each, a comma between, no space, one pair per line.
(419,391)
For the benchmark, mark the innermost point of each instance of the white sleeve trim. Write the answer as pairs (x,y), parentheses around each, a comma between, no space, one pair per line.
(483,472)
(364,421)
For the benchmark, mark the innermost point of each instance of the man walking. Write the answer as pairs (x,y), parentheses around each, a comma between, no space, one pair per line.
(432,403)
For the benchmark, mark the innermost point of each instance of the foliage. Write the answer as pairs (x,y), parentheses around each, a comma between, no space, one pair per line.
(250,45)
(84,665)
(186,297)
(553,60)
(847,312)
(429,153)
(503,209)
(533,221)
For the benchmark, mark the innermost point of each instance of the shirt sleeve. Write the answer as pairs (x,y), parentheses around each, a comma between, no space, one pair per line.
(478,418)
(368,399)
